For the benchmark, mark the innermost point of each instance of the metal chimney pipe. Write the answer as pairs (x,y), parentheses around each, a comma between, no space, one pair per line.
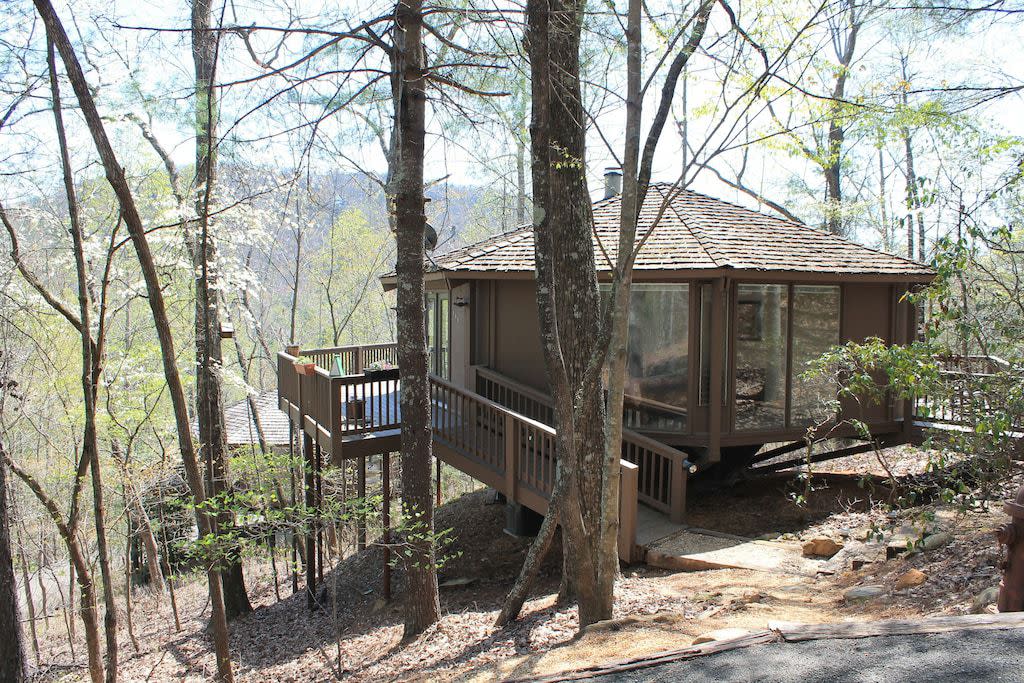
(612,181)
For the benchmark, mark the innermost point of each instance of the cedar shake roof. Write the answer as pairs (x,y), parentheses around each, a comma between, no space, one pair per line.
(240,430)
(697,232)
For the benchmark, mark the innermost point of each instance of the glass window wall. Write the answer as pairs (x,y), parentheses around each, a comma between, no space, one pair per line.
(761,335)
(657,357)
(815,330)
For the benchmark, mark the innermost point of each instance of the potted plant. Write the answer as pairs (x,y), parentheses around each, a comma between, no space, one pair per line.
(381,370)
(355,411)
(304,365)
(292,350)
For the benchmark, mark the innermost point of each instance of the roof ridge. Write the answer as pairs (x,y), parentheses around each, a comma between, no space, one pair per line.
(713,253)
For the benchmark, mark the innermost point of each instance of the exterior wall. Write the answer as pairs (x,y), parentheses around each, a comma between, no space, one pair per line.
(505,336)
(516,347)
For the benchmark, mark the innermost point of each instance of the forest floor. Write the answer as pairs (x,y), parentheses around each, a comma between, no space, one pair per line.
(358,636)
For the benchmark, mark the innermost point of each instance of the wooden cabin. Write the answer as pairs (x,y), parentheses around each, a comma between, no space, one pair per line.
(728,307)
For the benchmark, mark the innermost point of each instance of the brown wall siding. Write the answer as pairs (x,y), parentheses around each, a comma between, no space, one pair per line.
(868,311)
(517,351)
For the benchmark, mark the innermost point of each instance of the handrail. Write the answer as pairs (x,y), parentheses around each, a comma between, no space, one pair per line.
(480,398)
(663,470)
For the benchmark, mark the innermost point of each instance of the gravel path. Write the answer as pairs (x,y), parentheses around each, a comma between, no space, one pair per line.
(953,657)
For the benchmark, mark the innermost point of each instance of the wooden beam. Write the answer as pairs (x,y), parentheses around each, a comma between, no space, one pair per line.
(715,371)
(776,452)
(386,521)
(310,501)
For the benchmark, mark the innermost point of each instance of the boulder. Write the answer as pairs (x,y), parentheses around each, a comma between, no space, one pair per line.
(720,634)
(984,599)
(914,577)
(860,593)
(821,547)
(936,541)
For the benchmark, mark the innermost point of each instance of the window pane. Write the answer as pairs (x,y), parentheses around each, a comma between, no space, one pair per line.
(657,358)
(444,336)
(707,343)
(761,356)
(815,329)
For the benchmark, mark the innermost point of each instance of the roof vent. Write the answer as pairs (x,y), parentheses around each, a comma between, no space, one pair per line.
(612,181)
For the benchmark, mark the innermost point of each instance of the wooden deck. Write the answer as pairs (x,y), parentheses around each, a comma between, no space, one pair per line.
(508,443)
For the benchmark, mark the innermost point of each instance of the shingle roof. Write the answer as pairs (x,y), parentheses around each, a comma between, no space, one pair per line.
(240,430)
(696,232)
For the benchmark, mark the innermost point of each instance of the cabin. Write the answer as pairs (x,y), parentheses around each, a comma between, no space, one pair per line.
(728,307)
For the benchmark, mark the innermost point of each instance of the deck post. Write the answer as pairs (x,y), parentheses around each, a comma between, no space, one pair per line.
(679,476)
(438,485)
(386,520)
(510,459)
(628,484)
(359,361)
(361,494)
(307,452)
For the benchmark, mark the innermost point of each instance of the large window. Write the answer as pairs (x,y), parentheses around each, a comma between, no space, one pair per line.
(439,333)
(761,335)
(815,330)
(657,357)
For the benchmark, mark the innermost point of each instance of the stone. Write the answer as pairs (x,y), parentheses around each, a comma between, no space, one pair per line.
(914,577)
(457,581)
(859,593)
(895,549)
(984,599)
(821,547)
(936,541)
(860,562)
(720,634)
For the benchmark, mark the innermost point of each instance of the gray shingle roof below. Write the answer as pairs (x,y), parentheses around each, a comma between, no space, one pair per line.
(696,232)
(240,429)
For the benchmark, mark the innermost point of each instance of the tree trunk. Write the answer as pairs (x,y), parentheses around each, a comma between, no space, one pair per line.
(12,654)
(133,221)
(422,607)
(209,355)
(91,369)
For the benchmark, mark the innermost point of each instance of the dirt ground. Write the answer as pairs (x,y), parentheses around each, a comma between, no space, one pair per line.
(357,636)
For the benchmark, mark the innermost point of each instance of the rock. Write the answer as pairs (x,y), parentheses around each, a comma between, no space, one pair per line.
(457,581)
(858,593)
(821,547)
(767,537)
(936,541)
(912,578)
(860,562)
(720,634)
(895,549)
(984,599)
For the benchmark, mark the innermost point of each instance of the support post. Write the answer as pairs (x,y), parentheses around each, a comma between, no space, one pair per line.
(386,520)
(678,491)
(510,459)
(628,483)
(438,485)
(310,501)
(361,493)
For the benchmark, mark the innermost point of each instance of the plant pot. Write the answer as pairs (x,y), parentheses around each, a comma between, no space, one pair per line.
(292,349)
(380,375)
(305,368)
(355,410)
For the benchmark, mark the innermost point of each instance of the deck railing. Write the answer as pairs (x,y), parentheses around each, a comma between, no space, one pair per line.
(662,471)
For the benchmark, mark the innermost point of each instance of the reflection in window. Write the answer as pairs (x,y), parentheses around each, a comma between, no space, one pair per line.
(761,332)
(815,330)
(438,333)
(657,358)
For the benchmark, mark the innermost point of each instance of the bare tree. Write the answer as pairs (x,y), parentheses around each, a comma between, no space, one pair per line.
(12,653)
(133,221)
